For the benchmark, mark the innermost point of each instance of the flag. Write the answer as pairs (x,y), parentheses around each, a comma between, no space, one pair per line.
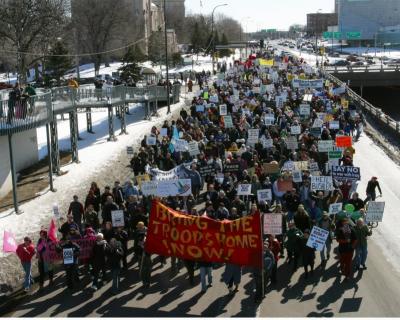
(52,231)
(265,62)
(9,243)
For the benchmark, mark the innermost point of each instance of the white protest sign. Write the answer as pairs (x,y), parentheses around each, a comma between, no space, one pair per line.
(223,110)
(180,145)
(151,140)
(149,188)
(375,211)
(317,238)
(321,183)
(305,110)
(297,176)
(175,187)
(200,108)
(325,145)
(193,148)
(244,190)
(56,210)
(269,120)
(335,208)
(291,143)
(264,195)
(272,224)
(68,256)
(295,130)
(164,132)
(334,125)
(318,123)
(288,166)
(267,143)
(313,166)
(117,218)
(279,101)
(253,136)
(228,122)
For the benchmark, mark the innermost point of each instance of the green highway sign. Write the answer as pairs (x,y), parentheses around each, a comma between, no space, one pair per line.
(271,30)
(353,35)
(332,35)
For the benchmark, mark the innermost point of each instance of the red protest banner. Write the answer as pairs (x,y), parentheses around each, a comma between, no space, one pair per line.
(172,233)
(344,141)
(85,253)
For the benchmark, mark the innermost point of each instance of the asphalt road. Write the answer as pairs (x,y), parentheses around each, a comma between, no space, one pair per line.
(372,293)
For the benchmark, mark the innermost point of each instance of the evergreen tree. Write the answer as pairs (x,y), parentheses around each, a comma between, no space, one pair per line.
(224,52)
(130,68)
(57,65)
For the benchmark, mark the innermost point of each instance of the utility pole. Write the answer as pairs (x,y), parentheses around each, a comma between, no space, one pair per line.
(166,56)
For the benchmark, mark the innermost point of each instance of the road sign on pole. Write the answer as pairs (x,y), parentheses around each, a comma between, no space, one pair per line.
(353,35)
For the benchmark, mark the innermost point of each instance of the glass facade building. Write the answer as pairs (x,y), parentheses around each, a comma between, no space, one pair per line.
(375,19)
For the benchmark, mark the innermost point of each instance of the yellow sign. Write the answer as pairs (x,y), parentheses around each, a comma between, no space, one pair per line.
(345,103)
(142,178)
(265,62)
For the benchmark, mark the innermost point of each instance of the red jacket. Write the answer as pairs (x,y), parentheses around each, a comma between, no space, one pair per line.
(275,247)
(25,254)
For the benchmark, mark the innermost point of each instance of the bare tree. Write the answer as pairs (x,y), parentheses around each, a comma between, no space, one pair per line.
(28,26)
(229,26)
(99,26)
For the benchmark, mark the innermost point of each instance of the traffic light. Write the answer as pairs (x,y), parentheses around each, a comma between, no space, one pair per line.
(262,43)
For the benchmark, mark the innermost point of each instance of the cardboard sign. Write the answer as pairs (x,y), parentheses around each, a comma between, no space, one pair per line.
(269,120)
(117,218)
(325,145)
(318,123)
(68,256)
(334,125)
(285,185)
(317,238)
(321,183)
(301,165)
(344,141)
(335,208)
(208,170)
(223,110)
(151,140)
(264,195)
(295,130)
(244,190)
(334,155)
(193,148)
(291,143)
(272,224)
(200,108)
(316,132)
(346,173)
(297,176)
(228,122)
(181,145)
(129,150)
(305,110)
(141,178)
(375,211)
(253,135)
(164,132)
(271,168)
(231,167)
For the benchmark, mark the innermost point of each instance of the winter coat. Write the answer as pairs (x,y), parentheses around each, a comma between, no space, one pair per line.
(361,235)
(99,254)
(114,255)
(302,221)
(25,253)
(342,238)
(92,219)
(293,240)
(308,254)
(69,245)
(76,209)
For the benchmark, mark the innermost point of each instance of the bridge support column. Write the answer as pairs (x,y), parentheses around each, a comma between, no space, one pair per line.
(74,135)
(55,152)
(89,125)
(111,136)
(77,125)
(49,152)
(361,91)
(13,176)
(123,122)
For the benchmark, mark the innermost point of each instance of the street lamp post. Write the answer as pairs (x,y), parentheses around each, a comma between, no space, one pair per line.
(212,33)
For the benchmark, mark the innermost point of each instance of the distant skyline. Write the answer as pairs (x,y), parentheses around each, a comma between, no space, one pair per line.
(262,14)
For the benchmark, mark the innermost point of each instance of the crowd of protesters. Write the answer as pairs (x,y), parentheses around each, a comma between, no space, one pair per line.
(221,147)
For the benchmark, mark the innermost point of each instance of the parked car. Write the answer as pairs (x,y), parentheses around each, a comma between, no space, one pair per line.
(340,63)
(358,63)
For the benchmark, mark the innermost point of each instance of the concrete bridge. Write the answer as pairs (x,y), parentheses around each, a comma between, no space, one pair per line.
(368,76)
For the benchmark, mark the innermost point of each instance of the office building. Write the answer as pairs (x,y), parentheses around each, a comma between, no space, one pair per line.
(317,23)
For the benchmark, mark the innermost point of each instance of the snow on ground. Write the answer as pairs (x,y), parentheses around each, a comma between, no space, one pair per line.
(391,53)
(94,153)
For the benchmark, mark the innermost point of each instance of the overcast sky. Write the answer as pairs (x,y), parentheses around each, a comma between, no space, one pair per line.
(263,14)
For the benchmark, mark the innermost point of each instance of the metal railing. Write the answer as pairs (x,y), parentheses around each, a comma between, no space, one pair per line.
(25,113)
(362,69)
(29,112)
(377,113)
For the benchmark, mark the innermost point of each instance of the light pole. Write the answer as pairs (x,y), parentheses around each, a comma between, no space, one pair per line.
(316,36)
(212,33)
(166,56)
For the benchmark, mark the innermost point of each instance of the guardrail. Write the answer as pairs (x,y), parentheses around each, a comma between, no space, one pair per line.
(369,68)
(29,112)
(377,113)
